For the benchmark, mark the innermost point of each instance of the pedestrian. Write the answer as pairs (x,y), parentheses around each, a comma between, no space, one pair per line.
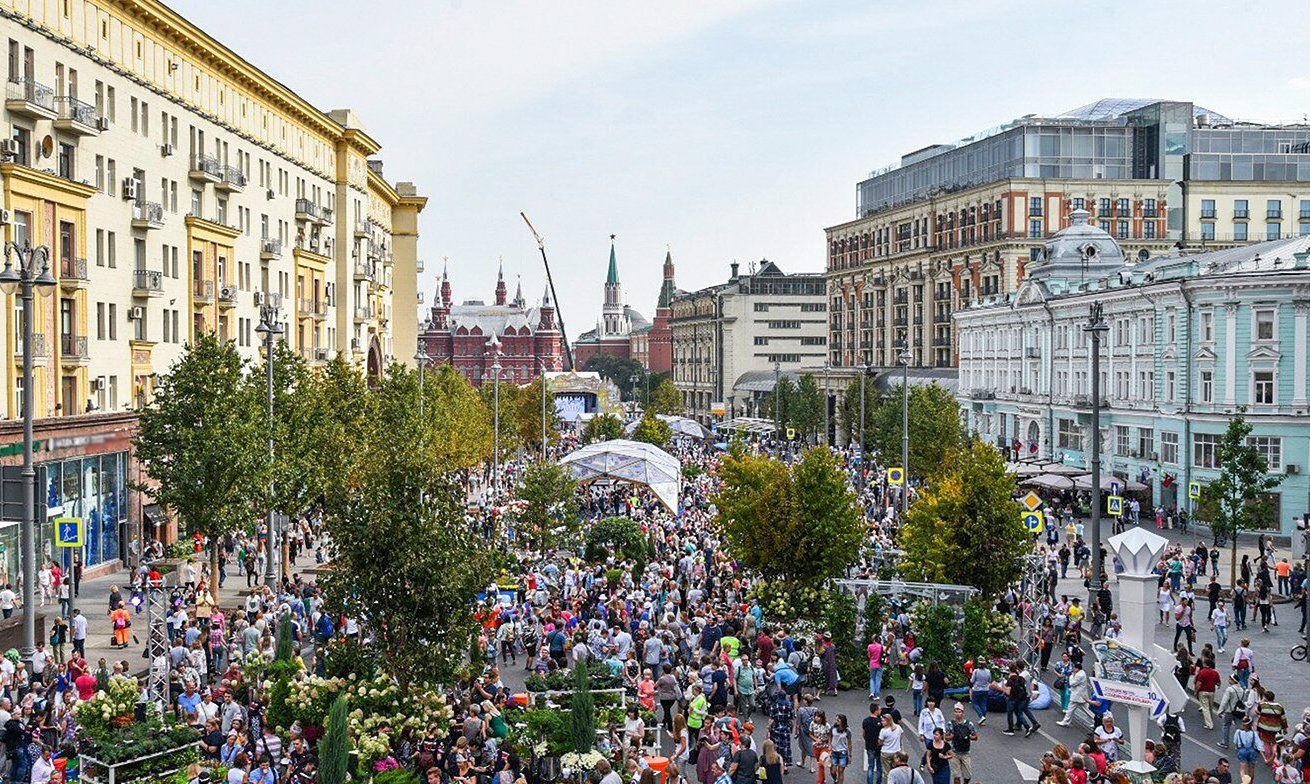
(962,734)
(1078,694)
(938,757)
(1108,738)
(891,737)
(1205,685)
(980,688)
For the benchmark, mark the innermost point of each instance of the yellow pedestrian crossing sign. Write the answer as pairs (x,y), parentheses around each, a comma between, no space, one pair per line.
(69,532)
(896,476)
(1114,505)
(1031,501)
(1034,521)
(1194,490)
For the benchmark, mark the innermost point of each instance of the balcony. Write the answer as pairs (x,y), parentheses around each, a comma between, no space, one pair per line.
(147,215)
(40,348)
(78,117)
(32,99)
(233,180)
(73,274)
(315,308)
(1305,215)
(363,270)
(203,291)
(147,283)
(206,168)
(1210,215)
(326,216)
(307,211)
(270,249)
(1237,214)
(72,349)
(363,313)
(1274,215)
(362,228)
(1150,212)
(227,295)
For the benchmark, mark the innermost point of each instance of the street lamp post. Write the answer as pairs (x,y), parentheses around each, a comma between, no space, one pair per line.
(1096,327)
(421,358)
(269,329)
(542,362)
(777,399)
(864,373)
(33,274)
(905,357)
(495,416)
(827,441)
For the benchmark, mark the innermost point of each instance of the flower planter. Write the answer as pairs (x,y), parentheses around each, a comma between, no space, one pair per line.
(94,771)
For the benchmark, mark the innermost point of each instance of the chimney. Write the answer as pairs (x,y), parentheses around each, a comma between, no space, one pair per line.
(734,272)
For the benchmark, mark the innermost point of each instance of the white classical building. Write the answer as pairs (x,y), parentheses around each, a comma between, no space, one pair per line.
(1192,339)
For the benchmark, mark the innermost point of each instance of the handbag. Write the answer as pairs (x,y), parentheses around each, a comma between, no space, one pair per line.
(1061,683)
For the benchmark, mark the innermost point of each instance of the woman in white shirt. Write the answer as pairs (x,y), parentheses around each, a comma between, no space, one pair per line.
(890,739)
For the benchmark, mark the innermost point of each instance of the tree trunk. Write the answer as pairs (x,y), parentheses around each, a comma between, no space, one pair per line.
(1232,561)
(212,583)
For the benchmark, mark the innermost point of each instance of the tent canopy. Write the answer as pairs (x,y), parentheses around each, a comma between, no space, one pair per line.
(681,426)
(629,461)
(1049,482)
(1107,481)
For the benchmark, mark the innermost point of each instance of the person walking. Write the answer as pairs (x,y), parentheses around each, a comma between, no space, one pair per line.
(1219,622)
(1078,695)
(980,687)
(1232,709)
(1206,684)
(962,734)
(876,657)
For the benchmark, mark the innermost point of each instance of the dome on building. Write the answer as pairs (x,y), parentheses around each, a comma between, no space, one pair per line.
(1080,251)
(635,318)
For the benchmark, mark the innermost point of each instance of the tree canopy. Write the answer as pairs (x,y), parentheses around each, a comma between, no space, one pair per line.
(665,398)
(935,428)
(602,427)
(550,515)
(1239,499)
(653,430)
(848,410)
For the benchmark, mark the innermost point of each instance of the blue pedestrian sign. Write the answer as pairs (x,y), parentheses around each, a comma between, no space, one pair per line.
(1114,505)
(69,532)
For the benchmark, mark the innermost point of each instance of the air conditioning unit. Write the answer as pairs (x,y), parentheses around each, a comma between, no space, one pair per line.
(354,344)
(136,313)
(228,292)
(103,123)
(166,150)
(1292,468)
(97,383)
(9,149)
(270,193)
(6,217)
(129,189)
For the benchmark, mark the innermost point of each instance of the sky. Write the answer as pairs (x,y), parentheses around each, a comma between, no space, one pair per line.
(719,130)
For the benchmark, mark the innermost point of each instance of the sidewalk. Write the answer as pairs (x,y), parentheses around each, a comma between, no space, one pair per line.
(93,602)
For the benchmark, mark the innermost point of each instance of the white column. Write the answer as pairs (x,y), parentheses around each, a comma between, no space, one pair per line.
(1299,354)
(1137,614)
(1230,353)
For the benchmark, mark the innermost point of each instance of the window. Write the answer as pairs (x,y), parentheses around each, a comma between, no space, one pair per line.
(1149,230)
(1122,439)
(1240,232)
(1262,387)
(1305,209)
(113,321)
(1241,209)
(1123,207)
(1207,208)
(761,341)
(1035,228)
(1078,203)
(1069,435)
(1207,231)
(100,321)
(1264,323)
(111,250)
(1205,450)
(1206,381)
(1103,207)
(1207,326)
(1121,230)
(1148,207)
(1145,442)
(784,324)
(1270,448)
(1170,386)
(814,341)
(1274,208)
(761,307)
(1273,231)
(814,307)
(1168,447)
(1035,205)
(24,138)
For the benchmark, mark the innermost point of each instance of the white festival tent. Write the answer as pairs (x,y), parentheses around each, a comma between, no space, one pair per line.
(628,461)
(681,426)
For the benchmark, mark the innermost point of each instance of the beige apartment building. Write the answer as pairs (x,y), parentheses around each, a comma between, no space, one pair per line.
(180,190)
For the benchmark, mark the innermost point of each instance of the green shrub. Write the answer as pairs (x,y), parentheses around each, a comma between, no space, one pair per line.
(334,748)
(582,713)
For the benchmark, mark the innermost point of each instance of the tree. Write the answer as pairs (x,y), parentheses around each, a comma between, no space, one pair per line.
(966,528)
(334,748)
(1239,499)
(622,371)
(602,427)
(795,529)
(202,440)
(527,415)
(582,711)
(848,412)
(405,559)
(510,427)
(805,408)
(653,430)
(621,537)
(935,429)
(550,515)
(665,398)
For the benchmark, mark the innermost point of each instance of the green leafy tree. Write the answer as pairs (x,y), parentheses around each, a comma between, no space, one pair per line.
(334,748)
(653,430)
(665,398)
(966,528)
(935,429)
(528,415)
(805,408)
(397,523)
(794,528)
(620,536)
(338,401)
(511,429)
(202,440)
(1239,499)
(602,427)
(848,411)
(550,515)
(582,711)
(628,375)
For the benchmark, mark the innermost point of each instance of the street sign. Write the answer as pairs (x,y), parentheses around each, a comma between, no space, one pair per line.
(791,433)
(1122,663)
(896,476)
(1129,694)
(1034,521)
(69,532)
(857,454)
(1031,501)
(1114,505)
(1116,488)
(1194,490)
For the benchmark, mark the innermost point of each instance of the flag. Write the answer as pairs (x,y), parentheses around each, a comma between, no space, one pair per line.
(1169,480)
(1032,447)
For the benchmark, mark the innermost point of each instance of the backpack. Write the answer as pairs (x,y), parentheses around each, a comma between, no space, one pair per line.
(1172,733)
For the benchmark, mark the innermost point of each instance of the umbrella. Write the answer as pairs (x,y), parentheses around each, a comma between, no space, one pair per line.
(1126,485)
(1023,469)
(1062,469)
(1049,482)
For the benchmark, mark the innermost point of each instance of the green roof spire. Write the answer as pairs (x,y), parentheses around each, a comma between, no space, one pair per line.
(613,275)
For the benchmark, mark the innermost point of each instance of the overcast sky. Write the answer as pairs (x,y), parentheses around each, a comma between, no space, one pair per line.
(723,129)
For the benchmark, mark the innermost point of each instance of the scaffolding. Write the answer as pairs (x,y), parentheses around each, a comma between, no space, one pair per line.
(157,644)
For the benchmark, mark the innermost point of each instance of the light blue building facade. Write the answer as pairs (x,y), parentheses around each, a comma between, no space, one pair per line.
(1192,339)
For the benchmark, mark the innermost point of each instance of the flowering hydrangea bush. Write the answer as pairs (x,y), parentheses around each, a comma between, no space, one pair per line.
(109,710)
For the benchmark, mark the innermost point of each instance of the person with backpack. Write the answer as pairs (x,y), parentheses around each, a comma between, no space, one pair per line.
(1248,750)
(962,734)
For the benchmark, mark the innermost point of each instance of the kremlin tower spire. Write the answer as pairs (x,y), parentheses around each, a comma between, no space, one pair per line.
(500,283)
